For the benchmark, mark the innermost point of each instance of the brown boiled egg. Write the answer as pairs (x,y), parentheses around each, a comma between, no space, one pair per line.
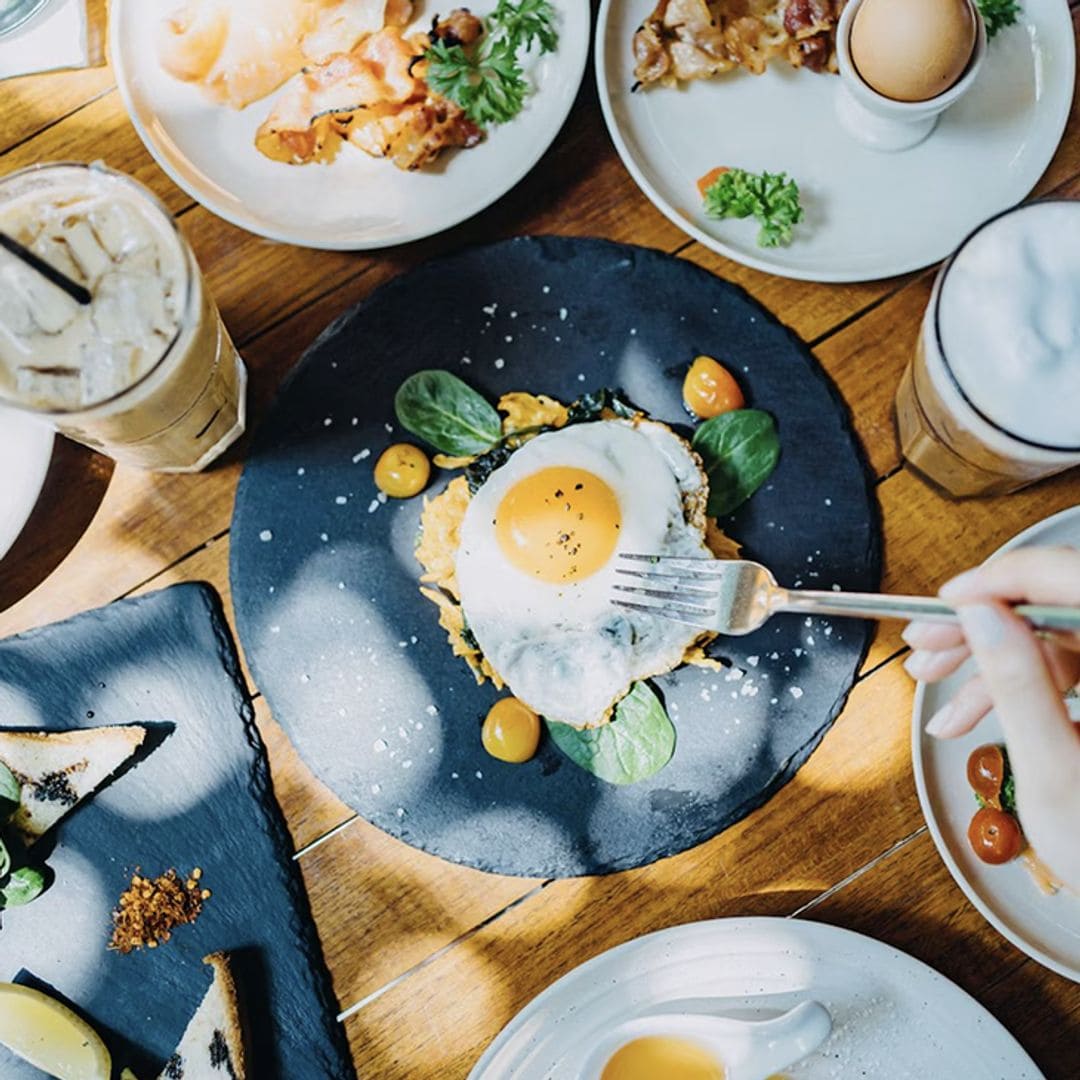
(912,50)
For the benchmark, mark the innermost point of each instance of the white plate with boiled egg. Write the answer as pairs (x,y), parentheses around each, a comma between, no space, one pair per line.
(1013,899)
(891,1015)
(867,213)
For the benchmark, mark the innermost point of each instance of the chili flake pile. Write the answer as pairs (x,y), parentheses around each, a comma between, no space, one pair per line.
(150,909)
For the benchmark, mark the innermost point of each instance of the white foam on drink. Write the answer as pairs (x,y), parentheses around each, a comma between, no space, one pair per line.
(55,354)
(1009,317)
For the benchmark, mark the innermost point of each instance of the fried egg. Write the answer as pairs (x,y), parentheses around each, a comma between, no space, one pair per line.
(538,556)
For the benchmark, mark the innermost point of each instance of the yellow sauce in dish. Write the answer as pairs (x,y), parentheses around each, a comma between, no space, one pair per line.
(657,1056)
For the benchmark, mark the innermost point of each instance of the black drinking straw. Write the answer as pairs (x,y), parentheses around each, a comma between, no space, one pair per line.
(77,292)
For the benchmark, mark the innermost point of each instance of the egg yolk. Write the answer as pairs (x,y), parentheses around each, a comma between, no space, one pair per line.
(558,525)
(402,471)
(655,1056)
(511,731)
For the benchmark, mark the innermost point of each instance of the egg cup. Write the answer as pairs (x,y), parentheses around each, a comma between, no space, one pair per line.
(883,123)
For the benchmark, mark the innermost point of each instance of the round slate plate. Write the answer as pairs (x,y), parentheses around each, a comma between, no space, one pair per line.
(350,655)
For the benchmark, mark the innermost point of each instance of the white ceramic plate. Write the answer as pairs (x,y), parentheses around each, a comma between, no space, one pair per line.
(356,202)
(892,1015)
(868,214)
(25,451)
(1047,928)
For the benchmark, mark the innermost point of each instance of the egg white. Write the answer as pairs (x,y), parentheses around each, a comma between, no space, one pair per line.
(563,648)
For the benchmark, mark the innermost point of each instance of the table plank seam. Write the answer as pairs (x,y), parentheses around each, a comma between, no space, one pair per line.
(461,938)
(59,120)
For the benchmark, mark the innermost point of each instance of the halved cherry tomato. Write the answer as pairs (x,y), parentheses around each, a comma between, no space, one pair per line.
(705,182)
(995,836)
(986,772)
(709,389)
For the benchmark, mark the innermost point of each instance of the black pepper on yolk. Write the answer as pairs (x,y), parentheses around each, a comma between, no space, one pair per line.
(559,525)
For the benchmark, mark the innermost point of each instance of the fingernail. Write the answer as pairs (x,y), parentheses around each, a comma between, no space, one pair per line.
(942,723)
(915,632)
(958,585)
(984,626)
(917,664)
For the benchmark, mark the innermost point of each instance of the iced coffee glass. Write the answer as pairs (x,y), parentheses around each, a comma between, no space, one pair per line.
(991,400)
(146,372)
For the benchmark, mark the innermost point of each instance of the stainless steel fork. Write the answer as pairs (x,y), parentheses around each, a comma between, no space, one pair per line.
(737,596)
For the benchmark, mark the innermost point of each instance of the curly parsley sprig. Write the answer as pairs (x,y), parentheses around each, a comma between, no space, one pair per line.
(485,78)
(770,197)
(998,14)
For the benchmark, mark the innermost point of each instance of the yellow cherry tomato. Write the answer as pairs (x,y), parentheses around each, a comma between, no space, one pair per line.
(709,389)
(511,731)
(402,471)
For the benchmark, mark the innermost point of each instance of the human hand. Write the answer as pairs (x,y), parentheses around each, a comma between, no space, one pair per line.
(1022,676)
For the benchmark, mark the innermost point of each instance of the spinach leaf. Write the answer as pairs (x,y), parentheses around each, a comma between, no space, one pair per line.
(454,418)
(590,406)
(637,743)
(5,860)
(740,449)
(9,792)
(24,885)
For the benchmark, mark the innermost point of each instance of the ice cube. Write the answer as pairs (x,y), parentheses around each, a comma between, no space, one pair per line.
(108,368)
(120,230)
(15,316)
(58,255)
(50,307)
(49,388)
(93,260)
(131,308)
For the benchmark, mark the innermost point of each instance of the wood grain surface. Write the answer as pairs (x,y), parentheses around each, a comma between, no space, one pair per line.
(429,959)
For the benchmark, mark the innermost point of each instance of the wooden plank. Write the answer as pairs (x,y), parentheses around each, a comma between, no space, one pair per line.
(33,102)
(780,857)
(99,132)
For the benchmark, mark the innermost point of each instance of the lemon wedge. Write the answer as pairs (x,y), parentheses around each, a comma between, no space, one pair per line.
(50,1036)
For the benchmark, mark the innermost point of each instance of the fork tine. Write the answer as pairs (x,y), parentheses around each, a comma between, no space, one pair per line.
(680,603)
(662,613)
(678,585)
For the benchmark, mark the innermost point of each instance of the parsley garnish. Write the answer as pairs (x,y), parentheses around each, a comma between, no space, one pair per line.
(485,78)
(770,197)
(997,14)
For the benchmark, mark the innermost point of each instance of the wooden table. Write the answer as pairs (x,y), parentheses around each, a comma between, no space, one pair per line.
(430,960)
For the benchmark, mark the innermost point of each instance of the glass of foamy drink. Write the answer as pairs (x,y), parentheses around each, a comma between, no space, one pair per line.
(145,372)
(991,400)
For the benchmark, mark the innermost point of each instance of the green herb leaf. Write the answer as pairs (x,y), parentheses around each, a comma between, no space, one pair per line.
(484,78)
(24,885)
(590,406)
(998,14)
(5,859)
(10,792)
(770,197)
(1007,796)
(525,22)
(454,418)
(740,449)
(637,743)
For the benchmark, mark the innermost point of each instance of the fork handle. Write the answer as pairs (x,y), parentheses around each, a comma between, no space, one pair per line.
(924,608)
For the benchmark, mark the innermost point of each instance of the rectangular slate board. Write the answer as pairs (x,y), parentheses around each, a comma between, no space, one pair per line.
(201,796)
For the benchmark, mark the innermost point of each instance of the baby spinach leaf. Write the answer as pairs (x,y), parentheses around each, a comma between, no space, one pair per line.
(740,449)
(24,885)
(454,418)
(9,792)
(637,743)
(5,860)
